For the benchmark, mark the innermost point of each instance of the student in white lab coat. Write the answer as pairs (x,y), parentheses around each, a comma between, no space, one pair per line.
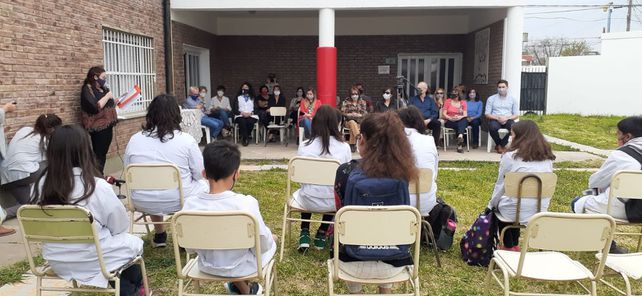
(222,162)
(161,141)
(71,178)
(326,141)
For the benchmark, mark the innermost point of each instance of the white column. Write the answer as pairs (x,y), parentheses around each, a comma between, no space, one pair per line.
(326,27)
(512,64)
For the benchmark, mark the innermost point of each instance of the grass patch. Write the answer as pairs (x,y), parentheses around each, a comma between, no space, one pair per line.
(593,163)
(259,162)
(468,191)
(13,273)
(595,131)
(558,147)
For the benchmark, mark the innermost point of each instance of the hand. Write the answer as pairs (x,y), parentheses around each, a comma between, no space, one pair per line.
(427,121)
(469,119)
(199,106)
(9,107)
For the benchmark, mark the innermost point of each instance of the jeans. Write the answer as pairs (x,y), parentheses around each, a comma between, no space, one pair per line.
(459,126)
(306,123)
(474,124)
(214,124)
(493,130)
(130,281)
(222,115)
(100,142)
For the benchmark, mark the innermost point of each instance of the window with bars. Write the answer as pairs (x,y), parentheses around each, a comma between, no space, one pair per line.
(129,60)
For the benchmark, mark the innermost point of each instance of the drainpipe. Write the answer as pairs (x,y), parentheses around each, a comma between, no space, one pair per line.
(167,42)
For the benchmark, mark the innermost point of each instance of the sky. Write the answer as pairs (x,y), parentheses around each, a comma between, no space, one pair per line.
(555,22)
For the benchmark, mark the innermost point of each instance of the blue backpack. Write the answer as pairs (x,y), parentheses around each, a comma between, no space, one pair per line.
(362,190)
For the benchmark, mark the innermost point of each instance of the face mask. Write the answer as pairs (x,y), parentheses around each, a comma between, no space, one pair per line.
(355,97)
(245,91)
(277,93)
(203,94)
(387,96)
(502,91)
(219,93)
(194,97)
(310,97)
(101,82)
(299,94)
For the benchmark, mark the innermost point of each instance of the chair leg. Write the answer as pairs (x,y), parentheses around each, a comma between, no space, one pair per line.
(639,241)
(117,286)
(145,279)
(146,225)
(38,285)
(445,135)
(431,234)
(468,140)
(286,214)
(74,284)
(180,287)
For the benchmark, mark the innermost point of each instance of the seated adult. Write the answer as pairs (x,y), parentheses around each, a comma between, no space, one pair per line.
(425,154)
(220,107)
(386,103)
(295,104)
(9,107)
(244,114)
(326,141)
(25,160)
(161,141)
(353,109)
(474,115)
(426,105)
(501,112)
(307,110)
(194,102)
(455,112)
(277,99)
(439,97)
(629,136)
(384,150)
(261,107)
(529,152)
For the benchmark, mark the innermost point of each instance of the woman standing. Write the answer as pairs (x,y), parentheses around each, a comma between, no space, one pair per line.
(455,112)
(98,110)
(307,110)
(474,115)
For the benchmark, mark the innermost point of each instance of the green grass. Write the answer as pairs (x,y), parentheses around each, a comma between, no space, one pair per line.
(467,191)
(14,272)
(595,131)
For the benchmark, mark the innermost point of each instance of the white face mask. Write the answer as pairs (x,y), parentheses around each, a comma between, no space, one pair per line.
(355,97)
(502,91)
(310,97)
(203,94)
(220,93)
(387,96)
(277,93)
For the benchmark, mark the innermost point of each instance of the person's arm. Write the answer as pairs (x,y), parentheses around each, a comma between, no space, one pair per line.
(617,161)
(267,240)
(88,101)
(444,110)
(344,107)
(498,191)
(195,160)
(340,182)
(479,110)
(489,108)
(434,113)
(464,107)
(116,218)
(515,111)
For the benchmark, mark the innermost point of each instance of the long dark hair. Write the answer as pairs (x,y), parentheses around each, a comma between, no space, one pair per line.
(163,118)
(529,143)
(387,152)
(250,92)
(44,126)
(325,124)
(68,148)
(94,71)
(412,118)
(476,94)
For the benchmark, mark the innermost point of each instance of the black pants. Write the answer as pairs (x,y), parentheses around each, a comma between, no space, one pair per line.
(493,129)
(435,126)
(21,190)
(323,227)
(130,281)
(100,142)
(246,124)
(511,237)
(474,124)
(459,126)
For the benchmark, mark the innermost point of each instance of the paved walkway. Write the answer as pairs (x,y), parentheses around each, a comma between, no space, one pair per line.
(580,147)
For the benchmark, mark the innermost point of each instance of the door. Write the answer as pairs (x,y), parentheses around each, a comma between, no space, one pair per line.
(192,71)
(437,70)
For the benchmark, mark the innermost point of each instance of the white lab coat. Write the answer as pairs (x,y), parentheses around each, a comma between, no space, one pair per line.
(79,261)
(232,263)
(246,106)
(320,198)
(3,141)
(23,156)
(426,157)
(617,161)
(507,205)
(181,151)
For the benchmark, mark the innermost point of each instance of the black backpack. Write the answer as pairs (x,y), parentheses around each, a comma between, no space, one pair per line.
(443,229)
(633,207)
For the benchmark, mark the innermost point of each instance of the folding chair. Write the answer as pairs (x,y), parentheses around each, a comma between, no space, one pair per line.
(424,184)
(256,131)
(66,224)
(232,230)
(554,233)
(395,225)
(278,114)
(451,132)
(526,185)
(150,176)
(307,170)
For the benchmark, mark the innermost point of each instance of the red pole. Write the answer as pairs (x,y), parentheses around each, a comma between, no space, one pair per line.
(327,75)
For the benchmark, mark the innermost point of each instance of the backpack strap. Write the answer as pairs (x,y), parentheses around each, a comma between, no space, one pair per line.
(633,152)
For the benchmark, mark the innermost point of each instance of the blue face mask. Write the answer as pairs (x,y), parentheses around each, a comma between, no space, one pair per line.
(194,97)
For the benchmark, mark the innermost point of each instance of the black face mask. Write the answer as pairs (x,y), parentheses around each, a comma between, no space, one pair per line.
(101,82)
(244,91)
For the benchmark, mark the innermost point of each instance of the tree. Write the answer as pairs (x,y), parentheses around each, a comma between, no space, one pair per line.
(541,50)
(576,48)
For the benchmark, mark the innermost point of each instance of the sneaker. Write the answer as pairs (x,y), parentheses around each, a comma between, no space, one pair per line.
(255,289)
(141,291)
(231,288)
(160,240)
(319,240)
(615,249)
(460,148)
(304,241)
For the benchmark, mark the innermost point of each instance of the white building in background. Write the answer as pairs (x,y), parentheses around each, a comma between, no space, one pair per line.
(605,84)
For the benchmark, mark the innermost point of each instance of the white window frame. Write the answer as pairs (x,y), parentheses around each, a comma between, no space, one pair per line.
(129,59)
(203,74)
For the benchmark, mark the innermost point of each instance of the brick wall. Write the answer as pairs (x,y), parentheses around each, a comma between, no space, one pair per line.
(46,48)
(184,34)
(495,50)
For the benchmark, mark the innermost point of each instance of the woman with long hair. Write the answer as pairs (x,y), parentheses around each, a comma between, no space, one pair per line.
(25,159)
(474,114)
(385,153)
(98,110)
(245,115)
(325,141)
(161,141)
(528,152)
(386,103)
(71,178)
(307,109)
(354,108)
(295,103)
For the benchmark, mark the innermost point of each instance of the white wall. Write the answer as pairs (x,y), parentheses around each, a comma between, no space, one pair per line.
(336,4)
(608,84)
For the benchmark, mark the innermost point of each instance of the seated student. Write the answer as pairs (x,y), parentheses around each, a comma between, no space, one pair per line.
(501,111)
(384,150)
(629,136)
(71,178)
(161,141)
(325,141)
(25,159)
(194,101)
(425,153)
(428,108)
(455,112)
(222,161)
(529,152)
(354,109)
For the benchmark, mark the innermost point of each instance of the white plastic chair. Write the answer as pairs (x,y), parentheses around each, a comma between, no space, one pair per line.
(451,132)
(256,131)
(277,113)
(227,230)
(307,170)
(67,224)
(489,143)
(395,225)
(424,184)
(554,233)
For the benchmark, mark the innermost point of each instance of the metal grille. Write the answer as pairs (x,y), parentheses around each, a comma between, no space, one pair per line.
(129,60)
(438,70)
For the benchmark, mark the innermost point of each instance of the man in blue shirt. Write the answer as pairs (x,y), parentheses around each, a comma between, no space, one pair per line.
(501,112)
(428,109)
